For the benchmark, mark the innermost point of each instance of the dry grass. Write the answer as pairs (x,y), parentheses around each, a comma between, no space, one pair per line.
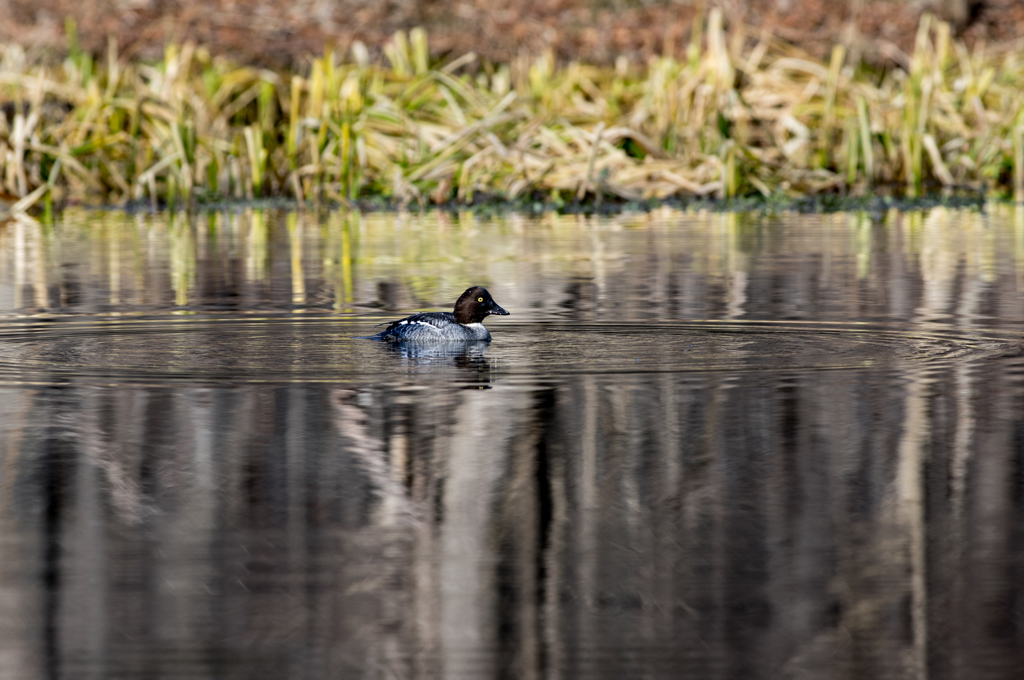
(734,117)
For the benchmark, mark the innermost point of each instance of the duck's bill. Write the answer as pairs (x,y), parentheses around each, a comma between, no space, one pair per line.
(495,309)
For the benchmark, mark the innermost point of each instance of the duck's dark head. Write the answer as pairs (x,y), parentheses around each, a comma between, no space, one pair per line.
(474,305)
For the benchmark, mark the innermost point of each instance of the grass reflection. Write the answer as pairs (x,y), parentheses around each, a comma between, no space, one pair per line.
(676,264)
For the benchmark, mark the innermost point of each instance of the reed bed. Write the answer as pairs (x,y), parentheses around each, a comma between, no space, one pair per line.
(736,115)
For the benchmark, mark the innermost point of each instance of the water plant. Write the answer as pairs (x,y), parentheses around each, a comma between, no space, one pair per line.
(736,115)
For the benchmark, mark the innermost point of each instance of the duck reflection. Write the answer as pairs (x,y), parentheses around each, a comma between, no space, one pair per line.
(468,358)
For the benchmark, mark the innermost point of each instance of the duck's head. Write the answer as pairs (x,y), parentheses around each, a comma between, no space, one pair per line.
(474,305)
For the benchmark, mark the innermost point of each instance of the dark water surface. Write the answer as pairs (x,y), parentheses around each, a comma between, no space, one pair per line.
(702,446)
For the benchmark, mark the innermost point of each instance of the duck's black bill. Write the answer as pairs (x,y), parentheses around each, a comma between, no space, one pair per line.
(495,309)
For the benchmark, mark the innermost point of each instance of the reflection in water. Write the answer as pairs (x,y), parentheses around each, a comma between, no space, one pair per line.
(823,478)
(464,363)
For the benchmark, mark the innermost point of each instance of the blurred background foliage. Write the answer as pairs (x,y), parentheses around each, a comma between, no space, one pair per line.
(271,33)
(719,109)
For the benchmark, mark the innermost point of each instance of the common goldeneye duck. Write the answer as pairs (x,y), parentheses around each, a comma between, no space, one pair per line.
(465,323)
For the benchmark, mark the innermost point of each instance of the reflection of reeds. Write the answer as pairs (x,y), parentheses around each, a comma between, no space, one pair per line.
(733,117)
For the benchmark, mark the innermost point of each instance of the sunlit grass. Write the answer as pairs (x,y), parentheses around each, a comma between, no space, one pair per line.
(734,116)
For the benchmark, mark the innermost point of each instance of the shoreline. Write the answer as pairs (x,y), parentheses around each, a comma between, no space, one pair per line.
(821,204)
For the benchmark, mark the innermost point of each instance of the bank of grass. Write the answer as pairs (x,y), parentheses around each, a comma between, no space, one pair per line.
(737,116)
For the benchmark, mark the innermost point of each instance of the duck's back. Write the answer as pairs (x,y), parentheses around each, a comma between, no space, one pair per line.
(433,326)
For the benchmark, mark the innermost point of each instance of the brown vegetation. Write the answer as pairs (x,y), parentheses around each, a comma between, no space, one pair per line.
(272,33)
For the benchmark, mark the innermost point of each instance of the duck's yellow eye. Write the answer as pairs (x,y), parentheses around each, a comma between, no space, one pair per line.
(479,299)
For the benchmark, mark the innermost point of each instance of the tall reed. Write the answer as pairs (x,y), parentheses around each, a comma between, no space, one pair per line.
(733,117)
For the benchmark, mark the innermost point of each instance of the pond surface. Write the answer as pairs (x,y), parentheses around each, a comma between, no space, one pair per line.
(701,446)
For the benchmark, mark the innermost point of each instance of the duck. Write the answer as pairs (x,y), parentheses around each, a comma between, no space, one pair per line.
(464,323)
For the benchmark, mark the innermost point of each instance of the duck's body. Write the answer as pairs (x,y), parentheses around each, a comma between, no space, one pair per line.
(464,324)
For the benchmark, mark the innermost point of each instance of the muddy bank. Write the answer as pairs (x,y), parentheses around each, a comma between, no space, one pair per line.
(264,32)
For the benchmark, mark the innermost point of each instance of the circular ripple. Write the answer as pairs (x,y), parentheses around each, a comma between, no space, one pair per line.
(739,346)
(326,349)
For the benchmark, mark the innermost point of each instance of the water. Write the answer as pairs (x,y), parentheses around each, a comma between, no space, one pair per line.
(702,446)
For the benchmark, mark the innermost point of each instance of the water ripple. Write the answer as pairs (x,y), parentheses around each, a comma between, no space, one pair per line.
(299,348)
